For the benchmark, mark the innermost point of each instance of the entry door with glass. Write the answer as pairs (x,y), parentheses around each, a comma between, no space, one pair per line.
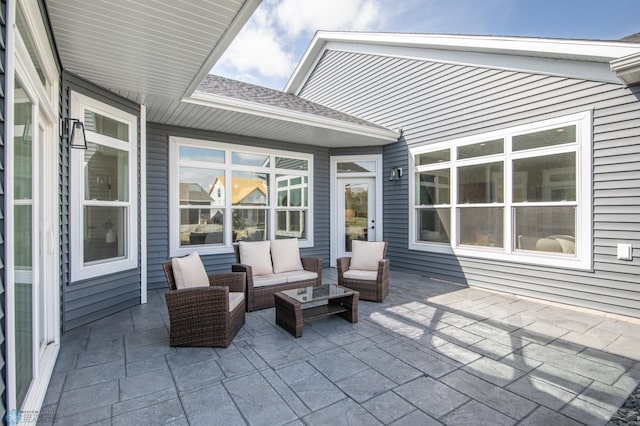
(356,212)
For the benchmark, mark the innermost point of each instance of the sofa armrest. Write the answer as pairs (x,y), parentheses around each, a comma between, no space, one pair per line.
(313,264)
(383,270)
(187,303)
(235,281)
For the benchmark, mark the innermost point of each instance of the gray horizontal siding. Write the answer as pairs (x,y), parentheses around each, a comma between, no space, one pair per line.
(158,197)
(436,102)
(88,300)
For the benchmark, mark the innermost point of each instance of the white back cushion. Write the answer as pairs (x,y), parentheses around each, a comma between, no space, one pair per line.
(189,271)
(365,255)
(256,254)
(285,255)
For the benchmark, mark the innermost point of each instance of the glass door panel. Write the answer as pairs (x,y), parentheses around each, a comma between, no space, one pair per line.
(356,213)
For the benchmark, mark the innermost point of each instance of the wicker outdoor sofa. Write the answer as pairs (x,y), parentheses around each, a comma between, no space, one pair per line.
(262,283)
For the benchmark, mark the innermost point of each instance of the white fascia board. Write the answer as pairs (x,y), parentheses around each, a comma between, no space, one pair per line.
(628,68)
(536,49)
(268,111)
(223,43)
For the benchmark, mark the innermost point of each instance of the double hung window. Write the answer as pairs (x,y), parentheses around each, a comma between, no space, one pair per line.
(223,193)
(521,194)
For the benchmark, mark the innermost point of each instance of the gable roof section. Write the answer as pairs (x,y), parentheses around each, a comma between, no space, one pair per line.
(586,59)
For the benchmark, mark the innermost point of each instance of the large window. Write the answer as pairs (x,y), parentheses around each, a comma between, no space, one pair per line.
(521,194)
(104,188)
(222,194)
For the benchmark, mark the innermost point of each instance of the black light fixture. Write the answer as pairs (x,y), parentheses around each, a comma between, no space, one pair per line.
(74,130)
(396,173)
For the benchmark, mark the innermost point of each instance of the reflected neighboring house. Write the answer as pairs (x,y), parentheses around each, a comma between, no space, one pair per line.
(194,194)
(244,191)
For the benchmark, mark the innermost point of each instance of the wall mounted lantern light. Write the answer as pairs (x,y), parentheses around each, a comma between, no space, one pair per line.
(74,131)
(396,173)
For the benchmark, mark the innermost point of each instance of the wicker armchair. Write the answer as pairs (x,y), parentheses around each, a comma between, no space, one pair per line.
(373,285)
(201,316)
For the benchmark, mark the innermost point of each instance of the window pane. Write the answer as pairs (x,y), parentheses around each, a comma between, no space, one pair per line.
(547,178)
(106,126)
(434,225)
(356,167)
(558,136)
(432,187)
(23,146)
(482,226)
(23,28)
(201,154)
(199,186)
(480,184)
(106,173)
(548,229)
(433,157)
(104,233)
(201,226)
(291,224)
(249,189)
(481,149)
(245,159)
(292,191)
(249,224)
(291,163)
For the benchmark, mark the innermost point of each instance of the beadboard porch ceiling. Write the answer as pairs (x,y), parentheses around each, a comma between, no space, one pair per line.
(157,52)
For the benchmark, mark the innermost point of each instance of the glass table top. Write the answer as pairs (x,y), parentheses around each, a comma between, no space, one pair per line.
(314,294)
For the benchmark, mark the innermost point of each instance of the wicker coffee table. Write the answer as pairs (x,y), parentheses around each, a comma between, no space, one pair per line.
(290,313)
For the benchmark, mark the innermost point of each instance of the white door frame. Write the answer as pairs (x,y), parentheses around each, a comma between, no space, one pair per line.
(45,206)
(377,174)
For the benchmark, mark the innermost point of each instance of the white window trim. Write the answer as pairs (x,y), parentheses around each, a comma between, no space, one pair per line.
(174,181)
(79,271)
(583,259)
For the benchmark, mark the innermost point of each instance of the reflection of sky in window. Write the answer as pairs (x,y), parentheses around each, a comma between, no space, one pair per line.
(250,175)
(245,159)
(202,177)
(201,154)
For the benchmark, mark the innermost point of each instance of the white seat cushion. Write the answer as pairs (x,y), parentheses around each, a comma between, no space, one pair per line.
(235,299)
(285,255)
(189,272)
(365,255)
(265,280)
(256,254)
(356,274)
(295,276)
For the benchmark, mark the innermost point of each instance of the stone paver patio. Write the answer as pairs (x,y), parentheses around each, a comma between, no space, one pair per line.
(433,353)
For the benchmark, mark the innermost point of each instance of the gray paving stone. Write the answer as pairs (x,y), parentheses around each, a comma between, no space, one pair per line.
(315,390)
(141,353)
(458,353)
(337,364)
(587,413)
(197,376)
(314,343)
(146,365)
(143,401)
(292,399)
(167,412)
(388,365)
(89,398)
(95,374)
(133,387)
(544,393)
(542,416)
(278,349)
(100,356)
(365,385)
(345,412)
(65,362)
(605,396)
(416,417)
(474,413)
(86,417)
(55,389)
(561,378)
(489,394)
(182,357)
(251,355)
(493,371)
(211,406)
(491,349)
(152,336)
(431,396)
(259,403)
(420,358)
(388,407)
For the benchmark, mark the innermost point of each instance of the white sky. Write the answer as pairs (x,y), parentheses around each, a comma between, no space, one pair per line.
(274,39)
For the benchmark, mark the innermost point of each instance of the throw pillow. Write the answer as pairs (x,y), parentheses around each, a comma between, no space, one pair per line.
(365,255)
(256,254)
(189,271)
(285,255)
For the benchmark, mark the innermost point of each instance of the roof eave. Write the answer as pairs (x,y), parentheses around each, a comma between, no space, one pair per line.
(272,112)
(627,68)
